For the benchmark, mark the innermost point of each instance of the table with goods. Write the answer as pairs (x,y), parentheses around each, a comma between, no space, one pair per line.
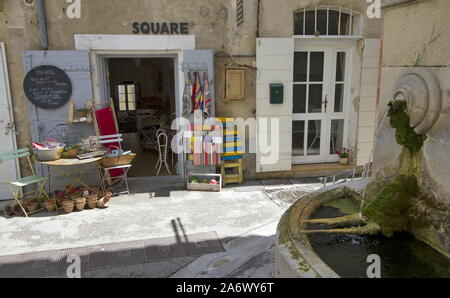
(72,162)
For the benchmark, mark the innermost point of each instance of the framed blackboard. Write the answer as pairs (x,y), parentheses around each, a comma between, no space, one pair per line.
(47,87)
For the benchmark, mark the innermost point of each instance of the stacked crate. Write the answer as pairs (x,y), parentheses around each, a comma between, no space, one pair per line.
(232,165)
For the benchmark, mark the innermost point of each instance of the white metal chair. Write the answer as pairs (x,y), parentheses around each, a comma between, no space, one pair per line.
(115,182)
(163,144)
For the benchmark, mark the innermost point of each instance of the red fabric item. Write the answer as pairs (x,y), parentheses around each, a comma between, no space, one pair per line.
(107,126)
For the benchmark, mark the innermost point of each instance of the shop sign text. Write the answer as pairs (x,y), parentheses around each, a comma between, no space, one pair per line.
(160,28)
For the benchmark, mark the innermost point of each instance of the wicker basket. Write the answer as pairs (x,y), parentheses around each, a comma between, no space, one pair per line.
(109,162)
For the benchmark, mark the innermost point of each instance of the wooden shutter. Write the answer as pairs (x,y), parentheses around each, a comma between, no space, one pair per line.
(235,84)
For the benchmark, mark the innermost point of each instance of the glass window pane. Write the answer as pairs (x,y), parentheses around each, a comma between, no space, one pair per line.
(298,23)
(322,22)
(333,22)
(131,89)
(339,99)
(316,67)
(131,106)
(298,138)
(314,136)
(310,22)
(123,106)
(340,66)
(121,88)
(345,24)
(299,99)
(337,136)
(122,97)
(300,66)
(315,98)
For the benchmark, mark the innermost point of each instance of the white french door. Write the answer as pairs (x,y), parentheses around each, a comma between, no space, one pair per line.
(320,102)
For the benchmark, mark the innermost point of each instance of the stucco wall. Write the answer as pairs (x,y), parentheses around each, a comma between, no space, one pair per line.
(282,25)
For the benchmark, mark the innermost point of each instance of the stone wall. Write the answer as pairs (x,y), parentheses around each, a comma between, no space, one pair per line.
(415,24)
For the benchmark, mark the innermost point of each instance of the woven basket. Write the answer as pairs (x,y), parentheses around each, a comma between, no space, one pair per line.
(122,160)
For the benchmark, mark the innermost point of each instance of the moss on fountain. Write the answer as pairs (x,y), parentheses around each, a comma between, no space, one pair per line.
(405,134)
(403,202)
(390,208)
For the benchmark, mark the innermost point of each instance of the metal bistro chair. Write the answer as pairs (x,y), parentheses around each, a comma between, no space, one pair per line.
(163,141)
(105,171)
(16,186)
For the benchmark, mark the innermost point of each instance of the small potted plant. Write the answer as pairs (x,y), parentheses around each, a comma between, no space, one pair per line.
(343,156)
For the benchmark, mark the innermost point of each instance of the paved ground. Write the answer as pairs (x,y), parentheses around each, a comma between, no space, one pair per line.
(244,219)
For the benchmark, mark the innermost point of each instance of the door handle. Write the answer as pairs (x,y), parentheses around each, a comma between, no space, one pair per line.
(325,102)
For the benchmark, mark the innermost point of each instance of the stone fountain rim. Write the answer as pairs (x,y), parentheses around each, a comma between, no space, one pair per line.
(297,251)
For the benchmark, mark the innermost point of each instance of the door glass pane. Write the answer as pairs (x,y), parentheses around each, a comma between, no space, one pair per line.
(300,66)
(316,67)
(340,66)
(298,138)
(314,137)
(310,22)
(315,98)
(339,99)
(299,99)
(337,136)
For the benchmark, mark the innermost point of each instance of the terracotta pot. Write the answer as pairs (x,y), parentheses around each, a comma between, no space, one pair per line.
(91,198)
(92,201)
(18,210)
(28,201)
(68,206)
(104,203)
(50,205)
(81,206)
(80,200)
(76,195)
(80,203)
(32,207)
(8,211)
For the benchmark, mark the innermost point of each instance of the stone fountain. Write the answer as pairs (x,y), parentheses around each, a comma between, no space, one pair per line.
(409,190)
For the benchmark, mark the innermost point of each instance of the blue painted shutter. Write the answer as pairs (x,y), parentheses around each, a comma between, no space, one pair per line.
(77,66)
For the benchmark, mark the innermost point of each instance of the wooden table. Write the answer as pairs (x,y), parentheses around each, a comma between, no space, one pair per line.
(76,170)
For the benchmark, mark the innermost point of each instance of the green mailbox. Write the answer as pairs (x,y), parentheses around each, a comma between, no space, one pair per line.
(276,93)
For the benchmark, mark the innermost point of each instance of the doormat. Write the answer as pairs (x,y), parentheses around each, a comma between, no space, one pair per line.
(93,258)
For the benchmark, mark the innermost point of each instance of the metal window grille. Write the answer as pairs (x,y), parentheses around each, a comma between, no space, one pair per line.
(240,12)
(344,25)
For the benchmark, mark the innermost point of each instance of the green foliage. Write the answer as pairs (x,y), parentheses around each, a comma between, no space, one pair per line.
(392,204)
(405,135)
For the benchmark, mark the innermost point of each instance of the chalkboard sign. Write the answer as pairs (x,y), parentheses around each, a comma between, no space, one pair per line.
(47,87)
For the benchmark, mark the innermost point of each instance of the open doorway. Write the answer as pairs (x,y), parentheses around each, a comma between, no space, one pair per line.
(143,92)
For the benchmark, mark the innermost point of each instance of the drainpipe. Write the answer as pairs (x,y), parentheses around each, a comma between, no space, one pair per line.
(257,18)
(42,24)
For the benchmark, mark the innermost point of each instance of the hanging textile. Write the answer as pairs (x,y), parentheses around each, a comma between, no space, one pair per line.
(204,145)
(187,98)
(207,96)
(195,91)
(198,93)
